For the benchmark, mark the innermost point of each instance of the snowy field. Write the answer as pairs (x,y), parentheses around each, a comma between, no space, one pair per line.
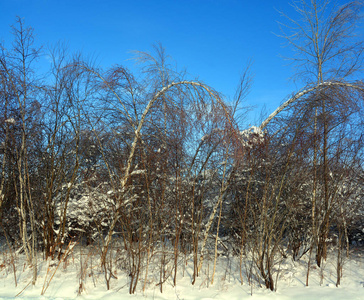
(79,277)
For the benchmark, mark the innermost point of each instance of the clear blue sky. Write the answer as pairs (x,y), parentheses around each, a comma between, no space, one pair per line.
(212,39)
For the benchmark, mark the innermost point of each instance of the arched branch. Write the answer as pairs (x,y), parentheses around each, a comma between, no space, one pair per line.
(304,92)
(214,97)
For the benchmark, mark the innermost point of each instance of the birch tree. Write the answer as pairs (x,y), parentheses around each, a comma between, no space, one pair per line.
(17,70)
(327,52)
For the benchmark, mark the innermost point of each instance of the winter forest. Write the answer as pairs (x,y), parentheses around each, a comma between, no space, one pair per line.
(152,172)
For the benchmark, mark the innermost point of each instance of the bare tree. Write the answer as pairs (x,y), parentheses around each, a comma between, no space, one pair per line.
(328,52)
(17,71)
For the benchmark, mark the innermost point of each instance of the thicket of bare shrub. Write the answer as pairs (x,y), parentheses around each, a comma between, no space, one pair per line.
(153,168)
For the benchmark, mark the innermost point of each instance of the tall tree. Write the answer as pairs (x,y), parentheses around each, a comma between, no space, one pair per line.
(17,71)
(328,55)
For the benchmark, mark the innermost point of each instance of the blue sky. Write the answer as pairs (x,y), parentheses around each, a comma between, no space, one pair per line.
(212,39)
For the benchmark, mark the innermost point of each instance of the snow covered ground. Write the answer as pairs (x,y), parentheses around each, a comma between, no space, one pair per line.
(69,274)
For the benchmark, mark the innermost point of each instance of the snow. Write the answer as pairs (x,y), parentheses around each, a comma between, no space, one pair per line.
(79,277)
(138,172)
(10,121)
(252,135)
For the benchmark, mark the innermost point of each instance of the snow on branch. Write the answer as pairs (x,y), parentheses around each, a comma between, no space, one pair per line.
(251,136)
(10,121)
